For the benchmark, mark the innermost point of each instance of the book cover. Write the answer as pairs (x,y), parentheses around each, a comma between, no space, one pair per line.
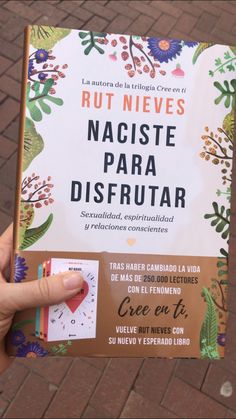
(125,172)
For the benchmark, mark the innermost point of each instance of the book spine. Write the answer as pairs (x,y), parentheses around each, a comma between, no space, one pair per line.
(46,309)
(41,308)
(20,145)
(37,315)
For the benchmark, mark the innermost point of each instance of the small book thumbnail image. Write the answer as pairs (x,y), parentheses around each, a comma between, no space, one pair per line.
(76,318)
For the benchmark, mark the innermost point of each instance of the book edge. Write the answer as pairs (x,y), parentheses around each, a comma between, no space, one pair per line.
(27,33)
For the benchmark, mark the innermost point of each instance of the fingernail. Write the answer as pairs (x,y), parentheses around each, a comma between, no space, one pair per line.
(72,281)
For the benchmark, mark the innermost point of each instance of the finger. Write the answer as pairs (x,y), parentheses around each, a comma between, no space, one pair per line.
(6,242)
(48,291)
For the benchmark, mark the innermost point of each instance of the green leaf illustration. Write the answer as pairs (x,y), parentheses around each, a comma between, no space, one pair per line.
(226,93)
(224,253)
(233,49)
(33,143)
(26,219)
(46,36)
(231,67)
(218,62)
(208,334)
(32,235)
(228,124)
(93,38)
(227,55)
(61,348)
(220,220)
(22,323)
(201,47)
(36,104)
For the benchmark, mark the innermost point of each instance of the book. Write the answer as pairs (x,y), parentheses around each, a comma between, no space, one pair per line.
(124,173)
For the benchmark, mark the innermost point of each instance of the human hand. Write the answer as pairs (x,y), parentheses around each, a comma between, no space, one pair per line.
(20,296)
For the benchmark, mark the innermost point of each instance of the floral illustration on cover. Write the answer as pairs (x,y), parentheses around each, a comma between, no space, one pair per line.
(17,337)
(31,350)
(139,54)
(44,73)
(20,268)
(218,150)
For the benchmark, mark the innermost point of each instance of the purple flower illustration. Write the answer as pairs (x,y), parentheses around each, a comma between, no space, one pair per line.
(164,49)
(17,337)
(31,350)
(41,55)
(20,269)
(191,44)
(30,67)
(221,339)
(42,76)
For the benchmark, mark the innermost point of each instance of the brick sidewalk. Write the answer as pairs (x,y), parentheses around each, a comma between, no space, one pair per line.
(107,388)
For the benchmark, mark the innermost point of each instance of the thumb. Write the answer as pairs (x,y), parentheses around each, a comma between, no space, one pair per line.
(47,291)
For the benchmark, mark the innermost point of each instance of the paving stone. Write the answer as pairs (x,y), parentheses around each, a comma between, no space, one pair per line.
(82,14)
(228,6)
(96,23)
(10,50)
(47,9)
(168,7)
(11,380)
(186,23)
(142,24)
(188,7)
(99,363)
(92,413)
(52,369)
(122,8)
(22,10)
(186,402)
(230,414)
(12,130)
(16,70)
(9,110)
(115,385)
(2,97)
(205,36)
(119,24)
(3,406)
(13,27)
(5,221)
(75,391)
(164,24)
(208,7)
(32,399)
(70,6)
(226,20)
(224,37)
(146,9)
(8,172)
(216,378)
(7,147)
(7,199)
(139,407)
(4,64)
(100,10)
(147,383)
(10,86)
(192,371)
(206,22)
(73,23)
